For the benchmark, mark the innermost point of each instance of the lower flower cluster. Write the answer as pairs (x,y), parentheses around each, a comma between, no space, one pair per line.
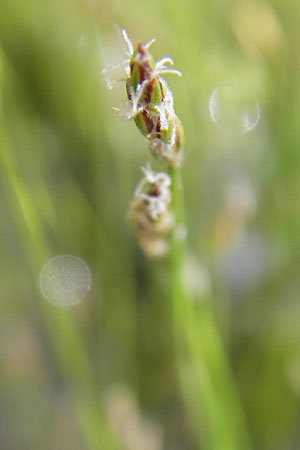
(151,214)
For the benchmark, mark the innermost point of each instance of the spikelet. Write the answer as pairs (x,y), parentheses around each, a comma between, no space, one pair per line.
(151,103)
(150,212)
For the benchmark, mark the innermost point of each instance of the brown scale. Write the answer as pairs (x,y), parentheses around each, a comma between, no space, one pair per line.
(145,72)
(155,191)
(148,120)
(148,89)
(144,68)
(177,138)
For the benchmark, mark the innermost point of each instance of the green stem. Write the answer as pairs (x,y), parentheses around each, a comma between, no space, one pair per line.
(207,382)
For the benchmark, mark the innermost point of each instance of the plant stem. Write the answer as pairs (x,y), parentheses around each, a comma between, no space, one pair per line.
(207,382)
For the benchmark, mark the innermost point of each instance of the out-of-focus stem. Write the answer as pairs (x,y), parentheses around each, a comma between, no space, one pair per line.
(67,342)
(208,387)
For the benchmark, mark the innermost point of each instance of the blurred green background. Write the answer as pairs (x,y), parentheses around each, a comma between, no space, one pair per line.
(102,374)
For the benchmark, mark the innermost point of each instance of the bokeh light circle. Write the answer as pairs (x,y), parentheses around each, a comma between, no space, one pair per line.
(65,280)
(233,108)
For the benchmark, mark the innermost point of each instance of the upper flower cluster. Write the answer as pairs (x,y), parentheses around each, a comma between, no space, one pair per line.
(151,101)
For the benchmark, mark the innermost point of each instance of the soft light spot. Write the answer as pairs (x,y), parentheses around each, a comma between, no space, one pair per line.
(257,27)
(65,280)
(231,108)
(240,198)
(244,264)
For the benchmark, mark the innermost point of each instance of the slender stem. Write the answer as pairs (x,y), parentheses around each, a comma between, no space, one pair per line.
(207,382)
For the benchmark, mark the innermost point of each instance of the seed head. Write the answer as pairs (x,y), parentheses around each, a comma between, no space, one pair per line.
(151,103)
(150,212)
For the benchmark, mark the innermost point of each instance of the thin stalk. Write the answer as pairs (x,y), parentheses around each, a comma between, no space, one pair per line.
(207,382)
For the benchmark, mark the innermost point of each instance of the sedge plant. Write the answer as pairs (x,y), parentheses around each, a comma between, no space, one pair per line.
(157,213)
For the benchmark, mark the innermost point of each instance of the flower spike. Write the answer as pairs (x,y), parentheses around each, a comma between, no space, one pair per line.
(150,212)
(150,99)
